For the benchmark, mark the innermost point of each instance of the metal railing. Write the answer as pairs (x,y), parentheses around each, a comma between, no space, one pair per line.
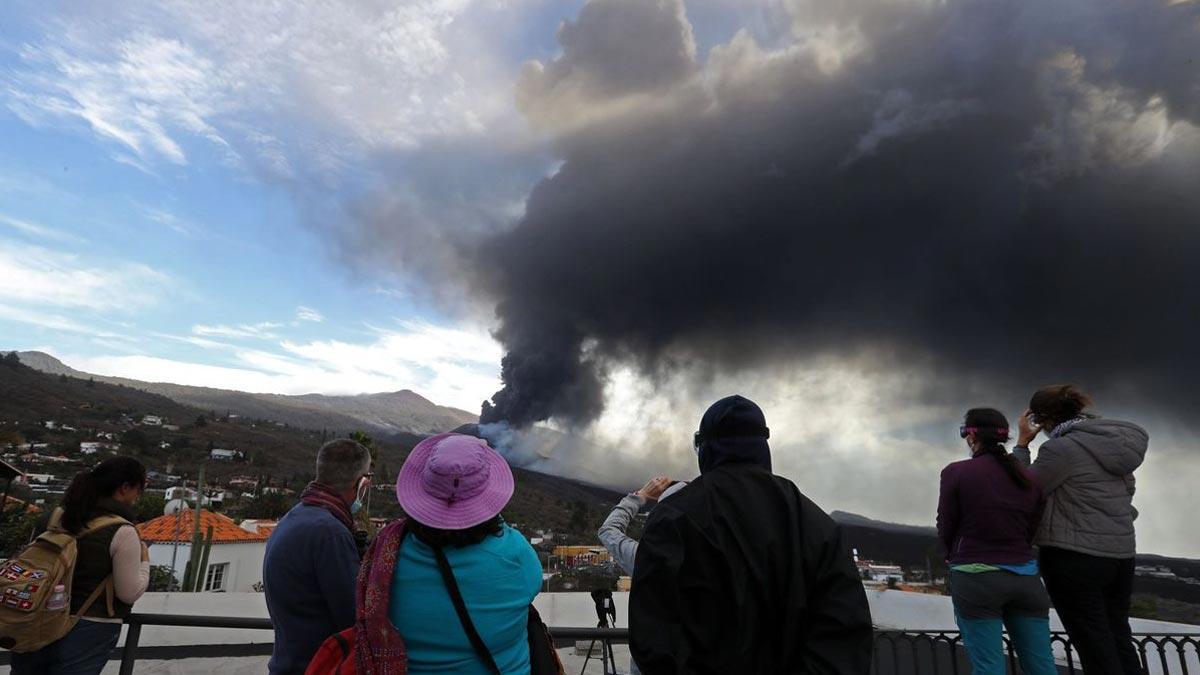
(938,652)
(130,651)
(896,652)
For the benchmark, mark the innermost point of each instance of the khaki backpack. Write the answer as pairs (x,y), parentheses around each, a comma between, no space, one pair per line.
(32,614)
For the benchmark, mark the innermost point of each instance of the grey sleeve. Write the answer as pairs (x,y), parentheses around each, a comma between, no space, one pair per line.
(1021,452)
(612,532)
(1052,466)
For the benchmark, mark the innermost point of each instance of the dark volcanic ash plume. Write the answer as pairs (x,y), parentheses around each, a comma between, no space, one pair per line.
(1009,189)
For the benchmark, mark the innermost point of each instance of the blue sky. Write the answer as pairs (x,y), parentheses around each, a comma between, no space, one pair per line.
(165,178)
(183,184)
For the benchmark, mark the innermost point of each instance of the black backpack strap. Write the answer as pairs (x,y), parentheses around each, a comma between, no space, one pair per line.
(461,607)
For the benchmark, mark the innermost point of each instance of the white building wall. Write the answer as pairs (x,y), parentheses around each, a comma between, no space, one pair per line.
(245,562)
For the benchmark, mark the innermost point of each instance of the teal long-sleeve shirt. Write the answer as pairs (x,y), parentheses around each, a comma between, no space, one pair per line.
(498,578)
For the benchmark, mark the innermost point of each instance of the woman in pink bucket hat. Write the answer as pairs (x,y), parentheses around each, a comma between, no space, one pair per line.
(452,487)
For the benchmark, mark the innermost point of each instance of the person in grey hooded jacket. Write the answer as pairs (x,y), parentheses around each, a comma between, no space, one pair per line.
(1086,536)
(622,547)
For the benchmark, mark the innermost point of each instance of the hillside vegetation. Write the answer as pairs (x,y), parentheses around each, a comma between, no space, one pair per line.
(279,455)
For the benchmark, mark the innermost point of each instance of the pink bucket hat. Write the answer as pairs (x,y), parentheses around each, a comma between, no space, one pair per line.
(453,481)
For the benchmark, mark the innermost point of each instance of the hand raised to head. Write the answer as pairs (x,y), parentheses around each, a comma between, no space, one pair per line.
(654,488)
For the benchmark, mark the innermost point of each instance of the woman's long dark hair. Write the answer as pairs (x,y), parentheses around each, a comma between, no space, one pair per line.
(992,433)
(457,538)
(89,487)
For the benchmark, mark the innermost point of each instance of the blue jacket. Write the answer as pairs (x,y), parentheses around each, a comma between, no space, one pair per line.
(309,574)
(498,578)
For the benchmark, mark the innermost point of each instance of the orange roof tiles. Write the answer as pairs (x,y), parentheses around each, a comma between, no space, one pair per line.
(29,508)
(263,526)
(166,529)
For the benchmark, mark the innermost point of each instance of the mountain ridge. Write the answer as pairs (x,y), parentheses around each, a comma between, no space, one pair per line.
(402,411)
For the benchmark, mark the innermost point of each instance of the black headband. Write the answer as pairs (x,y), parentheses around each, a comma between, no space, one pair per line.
(734,430)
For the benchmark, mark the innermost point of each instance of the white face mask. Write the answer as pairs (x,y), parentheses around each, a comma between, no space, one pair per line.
(357,504)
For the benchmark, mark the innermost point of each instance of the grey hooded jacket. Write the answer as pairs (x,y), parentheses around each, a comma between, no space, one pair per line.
(1087,474)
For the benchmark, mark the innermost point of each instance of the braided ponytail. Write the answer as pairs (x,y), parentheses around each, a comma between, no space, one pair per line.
(992,432)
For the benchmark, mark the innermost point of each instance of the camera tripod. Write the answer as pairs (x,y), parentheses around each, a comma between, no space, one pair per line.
(606,613)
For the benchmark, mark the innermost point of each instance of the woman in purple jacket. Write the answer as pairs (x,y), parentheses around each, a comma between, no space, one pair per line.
(988,512)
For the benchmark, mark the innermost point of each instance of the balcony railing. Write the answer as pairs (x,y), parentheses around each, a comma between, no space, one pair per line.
(896,652)
(937,652)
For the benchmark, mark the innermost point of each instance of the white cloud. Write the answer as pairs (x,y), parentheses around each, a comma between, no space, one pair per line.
(260,331)
(49,321)
(40,231)
(308,84)
(391,292)
(449,366)
(308,314)
(203,343)
(171,221)
(145,87)
(38,276)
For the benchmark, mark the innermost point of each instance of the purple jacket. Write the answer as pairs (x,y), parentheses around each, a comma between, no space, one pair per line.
(985,517)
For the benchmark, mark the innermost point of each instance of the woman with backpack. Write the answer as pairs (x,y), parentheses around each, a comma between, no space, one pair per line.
(988,511)
(450,589)
(1086,541)
(112,568)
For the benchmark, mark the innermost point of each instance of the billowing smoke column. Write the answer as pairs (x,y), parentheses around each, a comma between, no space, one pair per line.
(1009,189)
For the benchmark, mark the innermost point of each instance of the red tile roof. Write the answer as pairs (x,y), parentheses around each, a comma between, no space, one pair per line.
(166,529)
(18,503)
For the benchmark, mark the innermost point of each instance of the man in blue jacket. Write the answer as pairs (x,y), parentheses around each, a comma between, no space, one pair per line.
(312,560)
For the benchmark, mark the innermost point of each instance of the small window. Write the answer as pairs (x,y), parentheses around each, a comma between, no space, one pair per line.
(215,579)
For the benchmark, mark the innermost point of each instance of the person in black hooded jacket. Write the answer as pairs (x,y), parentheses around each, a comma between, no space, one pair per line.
(741,573)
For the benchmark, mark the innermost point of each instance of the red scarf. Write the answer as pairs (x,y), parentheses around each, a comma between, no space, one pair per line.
(320,494)
(378,647)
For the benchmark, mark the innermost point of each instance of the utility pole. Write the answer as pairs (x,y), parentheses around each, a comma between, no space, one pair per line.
(192,571)
(178,531)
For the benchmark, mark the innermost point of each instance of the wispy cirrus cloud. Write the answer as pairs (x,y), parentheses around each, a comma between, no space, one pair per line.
(264,330)
(49,320)
(41,277)
(172,222)
(138,93)
(359,78)
(40,231)
(309,314)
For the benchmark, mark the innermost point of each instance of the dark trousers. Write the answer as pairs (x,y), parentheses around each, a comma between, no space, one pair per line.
(1091,595)
(82,651)
(987,603)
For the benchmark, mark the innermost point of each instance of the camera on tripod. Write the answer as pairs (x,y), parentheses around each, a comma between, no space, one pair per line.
(606,610)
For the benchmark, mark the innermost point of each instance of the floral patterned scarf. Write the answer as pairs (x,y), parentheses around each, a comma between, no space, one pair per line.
(1066,426)
(378,647)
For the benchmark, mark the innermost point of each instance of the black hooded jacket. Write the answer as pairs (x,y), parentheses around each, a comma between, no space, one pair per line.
(741,573)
